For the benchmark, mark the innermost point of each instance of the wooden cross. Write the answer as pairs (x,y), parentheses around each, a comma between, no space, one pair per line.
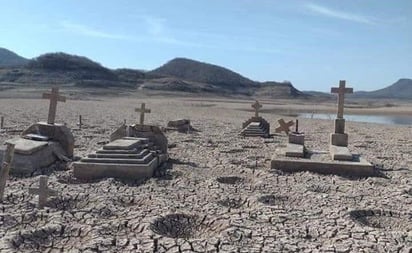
(5,168)
(341,96)
(257,107)
(54,98)
(142,111)
(284,126)
(43,191)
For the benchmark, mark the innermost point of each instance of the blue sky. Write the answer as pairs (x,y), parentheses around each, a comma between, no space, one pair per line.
(313,44)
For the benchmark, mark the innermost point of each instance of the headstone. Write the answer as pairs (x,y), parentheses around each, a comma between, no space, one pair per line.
(142,111)
(284,127)
(54,98)
(339,138)
(5,167)
(256,126)
(43,191)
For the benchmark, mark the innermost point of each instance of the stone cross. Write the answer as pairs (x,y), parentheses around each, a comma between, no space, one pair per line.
(4,171)
(54,98)
(257,107)
(142,111)
(284,126)
(341,96)
(43,191)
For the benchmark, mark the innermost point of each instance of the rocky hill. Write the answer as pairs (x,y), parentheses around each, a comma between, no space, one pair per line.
(402,89)
(11,59)
(201,72)
(177,75)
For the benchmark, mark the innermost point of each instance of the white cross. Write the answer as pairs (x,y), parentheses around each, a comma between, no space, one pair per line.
(341,91)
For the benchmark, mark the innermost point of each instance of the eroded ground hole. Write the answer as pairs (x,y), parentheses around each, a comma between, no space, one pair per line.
(272,200)
(382,219)
(181,225)
(230,180)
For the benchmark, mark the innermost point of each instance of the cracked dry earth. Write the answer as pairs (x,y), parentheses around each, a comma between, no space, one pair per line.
(220,194)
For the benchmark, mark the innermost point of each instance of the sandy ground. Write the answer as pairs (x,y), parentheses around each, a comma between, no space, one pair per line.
(253,209)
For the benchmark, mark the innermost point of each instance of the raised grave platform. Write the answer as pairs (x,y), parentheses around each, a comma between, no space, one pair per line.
(255,127)
(39,146)
(321,162)
(128,158)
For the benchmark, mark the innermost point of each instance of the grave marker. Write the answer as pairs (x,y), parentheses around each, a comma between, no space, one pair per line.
(284,126)
(43,191)
(142,111)
(341,91)
(5,168)
(54,98)
(257,106)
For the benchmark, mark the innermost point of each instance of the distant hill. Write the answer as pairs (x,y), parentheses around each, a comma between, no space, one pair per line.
(180,74)
(11,59)
(201,72)
(402,89)
(278,90)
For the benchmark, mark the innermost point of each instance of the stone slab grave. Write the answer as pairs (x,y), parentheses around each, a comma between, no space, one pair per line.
(42,143)
(296,140)
(180,125)
(338,160)
(256,126)
(134,152)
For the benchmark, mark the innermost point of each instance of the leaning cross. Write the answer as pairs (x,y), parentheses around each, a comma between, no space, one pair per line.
(341,96)
(43,191)
(284,126)
(257,107)
(4,171)
(54,98)
(142,111)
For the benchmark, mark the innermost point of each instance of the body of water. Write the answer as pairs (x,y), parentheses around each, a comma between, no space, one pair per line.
(380,119)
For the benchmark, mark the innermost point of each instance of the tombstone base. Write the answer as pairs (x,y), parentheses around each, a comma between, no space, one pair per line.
(32,155)
(339,139)
(340,126)
(322,163)
(53,132)
(340,153)
(295,150)
(297,138)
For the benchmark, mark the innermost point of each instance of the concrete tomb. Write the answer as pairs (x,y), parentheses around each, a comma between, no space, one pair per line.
(256,126)
(338,160)
(42,144)
(180,125)
(134,152)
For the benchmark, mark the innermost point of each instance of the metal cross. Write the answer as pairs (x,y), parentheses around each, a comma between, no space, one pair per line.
(54,98)
(257,107)
(5,168)
(341,91)
(43,191)
(284,126)
(142,111)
